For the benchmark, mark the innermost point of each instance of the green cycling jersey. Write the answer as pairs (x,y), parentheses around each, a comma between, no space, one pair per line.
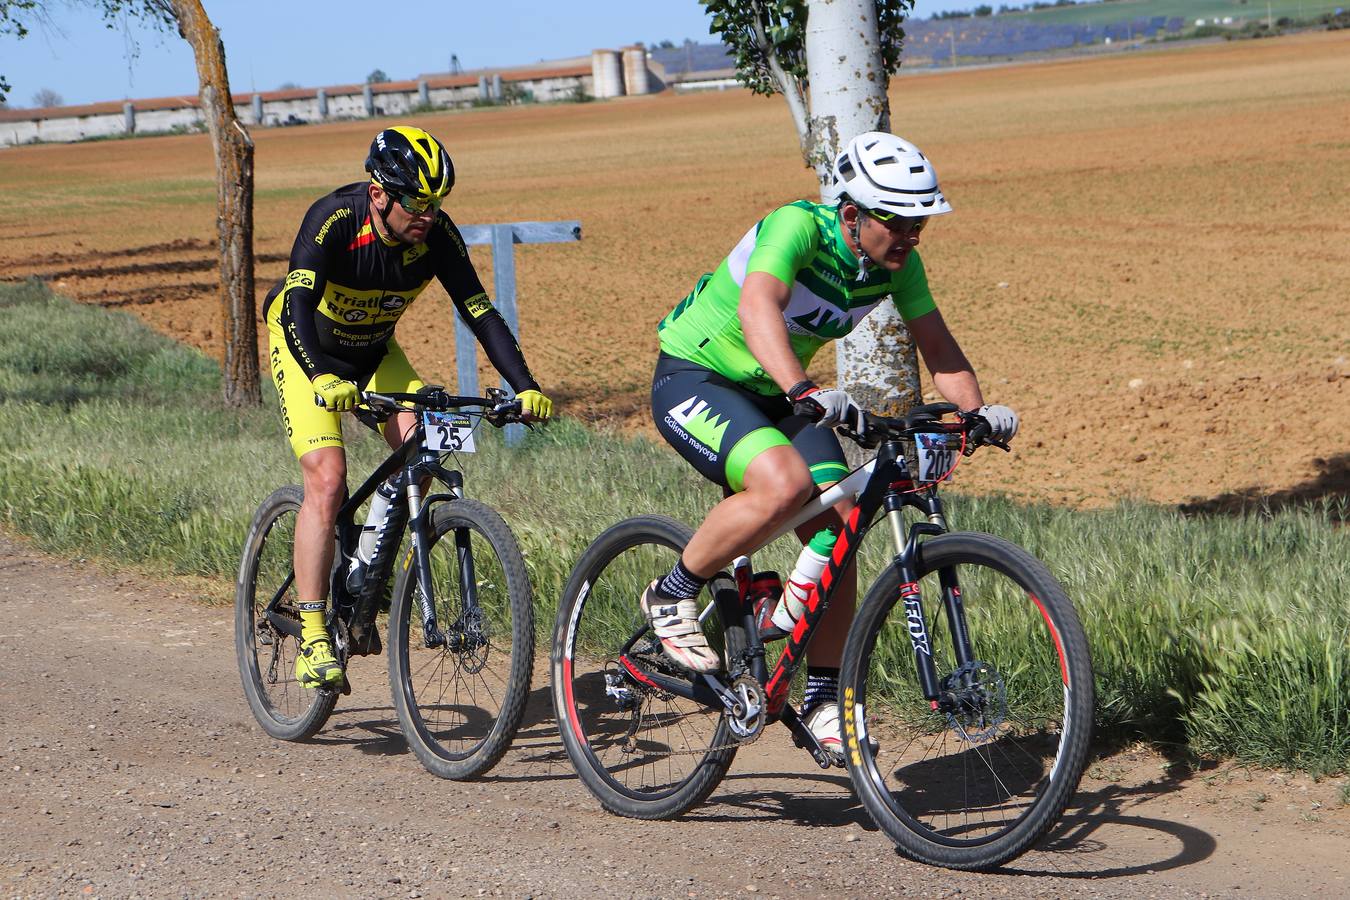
(802,245)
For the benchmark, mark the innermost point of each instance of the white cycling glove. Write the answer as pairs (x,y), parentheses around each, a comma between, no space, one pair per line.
(1002,421)
(839,408)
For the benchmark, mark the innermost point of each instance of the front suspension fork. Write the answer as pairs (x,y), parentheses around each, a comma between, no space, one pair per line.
(907,549)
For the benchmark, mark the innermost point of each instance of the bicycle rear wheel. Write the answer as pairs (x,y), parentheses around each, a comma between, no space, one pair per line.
(642,752)
(460,704)
(266,655)
(975,782)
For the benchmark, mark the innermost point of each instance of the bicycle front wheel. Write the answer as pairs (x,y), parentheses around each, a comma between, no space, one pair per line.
(285,710)
(460,704)
(973,780)
(643,752)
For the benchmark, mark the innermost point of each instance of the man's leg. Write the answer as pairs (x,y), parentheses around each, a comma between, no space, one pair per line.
(777,483)
(325,477)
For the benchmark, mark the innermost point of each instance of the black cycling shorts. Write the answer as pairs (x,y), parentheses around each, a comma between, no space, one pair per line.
(719,427)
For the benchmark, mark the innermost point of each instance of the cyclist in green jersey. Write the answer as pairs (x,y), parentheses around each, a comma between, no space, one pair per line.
(361,257)
(733,362)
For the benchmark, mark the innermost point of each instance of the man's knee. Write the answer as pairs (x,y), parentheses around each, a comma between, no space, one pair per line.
(325,478)
(781,489)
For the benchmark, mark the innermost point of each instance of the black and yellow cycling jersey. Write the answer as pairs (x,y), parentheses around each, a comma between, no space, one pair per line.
(335,311)
(347,289)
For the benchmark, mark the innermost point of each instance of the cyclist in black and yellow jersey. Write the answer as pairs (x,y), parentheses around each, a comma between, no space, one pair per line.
(361,257)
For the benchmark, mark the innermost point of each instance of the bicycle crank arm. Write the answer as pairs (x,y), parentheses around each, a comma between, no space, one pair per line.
(802,737)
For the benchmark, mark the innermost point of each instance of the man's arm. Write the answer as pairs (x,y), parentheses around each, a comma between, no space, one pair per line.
(763,299)
(461,282)
(952,373)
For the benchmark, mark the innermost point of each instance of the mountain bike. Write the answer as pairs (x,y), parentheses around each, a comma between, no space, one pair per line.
(460,615)
(966,691)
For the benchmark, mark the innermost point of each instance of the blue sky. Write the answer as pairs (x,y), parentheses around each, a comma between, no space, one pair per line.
(312,42)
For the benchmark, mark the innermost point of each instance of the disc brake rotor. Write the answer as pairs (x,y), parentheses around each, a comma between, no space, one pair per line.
(975,701)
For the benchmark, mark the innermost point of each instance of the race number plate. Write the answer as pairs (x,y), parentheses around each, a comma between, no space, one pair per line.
(935,457)
(448,432)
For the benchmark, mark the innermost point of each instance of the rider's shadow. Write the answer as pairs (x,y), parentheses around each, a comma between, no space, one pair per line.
(1091,840)
(536,748)
(372,730)
(813,799)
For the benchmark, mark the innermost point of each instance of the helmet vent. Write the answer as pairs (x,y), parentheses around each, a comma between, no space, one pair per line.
(887,161)
(916,170)
(846,167)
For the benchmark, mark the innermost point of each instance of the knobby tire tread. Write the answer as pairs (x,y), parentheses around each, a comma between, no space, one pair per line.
(957,549)
(279,502)
(674,534)
(405,625)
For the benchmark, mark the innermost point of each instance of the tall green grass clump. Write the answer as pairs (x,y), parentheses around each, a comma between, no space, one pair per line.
(1224,634)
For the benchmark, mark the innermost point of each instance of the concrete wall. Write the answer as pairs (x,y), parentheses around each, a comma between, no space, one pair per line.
(74,123)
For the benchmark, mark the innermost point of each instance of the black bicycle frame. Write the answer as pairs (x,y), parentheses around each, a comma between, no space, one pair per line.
(416,463)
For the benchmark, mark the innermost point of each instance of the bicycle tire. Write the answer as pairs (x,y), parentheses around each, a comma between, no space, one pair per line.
(283,708)
(597,613)
(1019,739)
(463,735)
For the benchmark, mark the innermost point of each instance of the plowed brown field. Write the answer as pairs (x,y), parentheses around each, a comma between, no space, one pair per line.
(1148,258)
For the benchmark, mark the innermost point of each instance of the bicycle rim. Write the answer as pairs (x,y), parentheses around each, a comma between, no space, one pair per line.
(460,704)
(642,751)
(266,655)
(975,782)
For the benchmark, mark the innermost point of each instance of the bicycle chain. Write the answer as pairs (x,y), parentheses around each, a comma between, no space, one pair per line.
(665,666)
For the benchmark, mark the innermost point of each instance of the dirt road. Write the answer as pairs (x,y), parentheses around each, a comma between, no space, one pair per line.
(130,765)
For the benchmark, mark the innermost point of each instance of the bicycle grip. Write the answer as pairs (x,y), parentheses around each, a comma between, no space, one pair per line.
(808,409)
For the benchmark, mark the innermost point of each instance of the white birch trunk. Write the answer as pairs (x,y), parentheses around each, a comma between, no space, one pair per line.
(877,362)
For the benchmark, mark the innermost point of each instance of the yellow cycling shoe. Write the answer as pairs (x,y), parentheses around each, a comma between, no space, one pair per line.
(315,665)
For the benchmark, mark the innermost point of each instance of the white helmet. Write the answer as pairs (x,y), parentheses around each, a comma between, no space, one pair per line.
(882,172)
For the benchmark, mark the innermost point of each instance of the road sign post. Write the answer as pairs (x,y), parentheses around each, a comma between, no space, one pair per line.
(503,238)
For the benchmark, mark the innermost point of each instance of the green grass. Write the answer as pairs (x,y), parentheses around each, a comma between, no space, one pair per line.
(1189,10)
(1228,635)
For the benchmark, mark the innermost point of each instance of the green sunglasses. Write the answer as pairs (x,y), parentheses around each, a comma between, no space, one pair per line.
(898,223)
(418,206)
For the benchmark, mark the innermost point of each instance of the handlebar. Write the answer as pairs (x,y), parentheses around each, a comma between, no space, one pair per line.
(923,419)
(500,408)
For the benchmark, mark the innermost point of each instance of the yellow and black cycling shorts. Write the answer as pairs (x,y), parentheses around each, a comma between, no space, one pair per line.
(308,425)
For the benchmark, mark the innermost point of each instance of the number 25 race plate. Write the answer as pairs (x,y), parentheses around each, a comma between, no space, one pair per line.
(448,431)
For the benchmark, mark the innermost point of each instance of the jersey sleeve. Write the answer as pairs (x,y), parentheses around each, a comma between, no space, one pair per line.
(325,227)
(909,290)
(456,273)
(785,242)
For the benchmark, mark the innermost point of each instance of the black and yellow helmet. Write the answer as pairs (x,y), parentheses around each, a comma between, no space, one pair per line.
(407,160)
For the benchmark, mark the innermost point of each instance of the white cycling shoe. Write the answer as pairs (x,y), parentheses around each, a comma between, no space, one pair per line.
(823,722)
(676,624)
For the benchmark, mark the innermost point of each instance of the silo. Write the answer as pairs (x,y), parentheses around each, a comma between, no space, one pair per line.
(635,70)
(607,73)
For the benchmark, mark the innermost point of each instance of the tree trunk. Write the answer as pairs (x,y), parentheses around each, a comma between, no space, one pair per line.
(234,197)
(877,362)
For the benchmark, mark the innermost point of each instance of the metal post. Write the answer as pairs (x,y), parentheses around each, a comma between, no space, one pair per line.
(502,238)
(504,286)
(257,109)
(368,94)
(322,97)
(129,117)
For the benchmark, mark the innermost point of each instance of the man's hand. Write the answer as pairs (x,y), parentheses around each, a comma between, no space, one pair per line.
(839,408)
(337,394)
(534,406)
(1002,421)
